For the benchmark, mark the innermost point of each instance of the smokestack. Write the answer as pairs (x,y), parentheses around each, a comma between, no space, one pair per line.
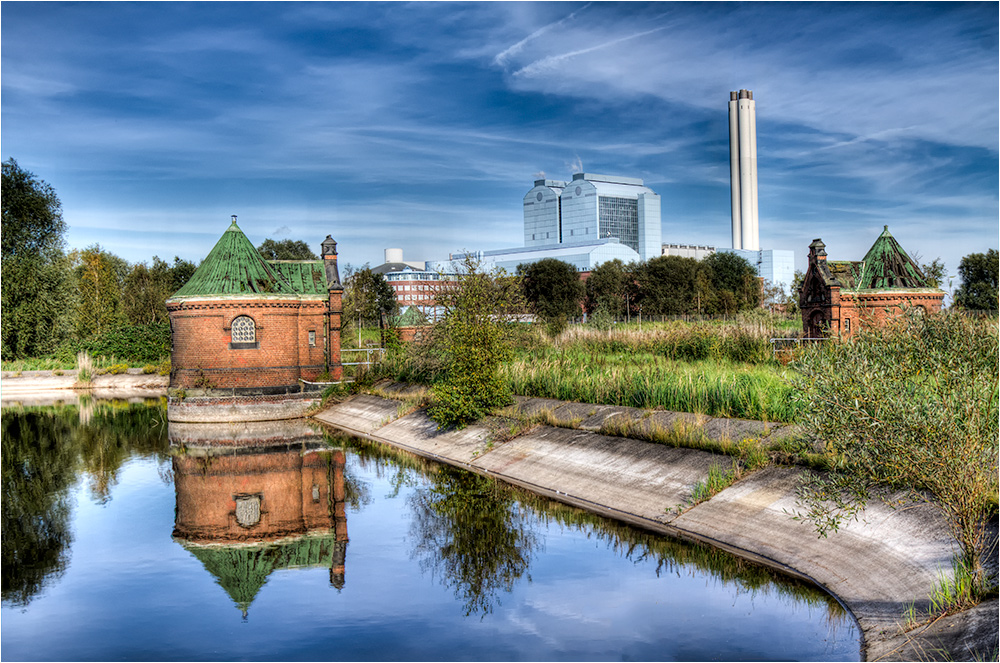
(743,169)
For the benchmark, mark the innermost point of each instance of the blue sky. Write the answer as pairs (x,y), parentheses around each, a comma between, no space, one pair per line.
(422,125)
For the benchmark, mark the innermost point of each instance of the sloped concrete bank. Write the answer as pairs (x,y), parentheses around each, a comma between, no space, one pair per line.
(47,388)
(877,567)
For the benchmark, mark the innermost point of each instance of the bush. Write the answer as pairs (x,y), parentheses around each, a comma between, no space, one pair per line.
(137,344)
(909,406)
(117,369)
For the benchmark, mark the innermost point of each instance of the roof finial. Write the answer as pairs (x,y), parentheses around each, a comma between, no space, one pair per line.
(234,220)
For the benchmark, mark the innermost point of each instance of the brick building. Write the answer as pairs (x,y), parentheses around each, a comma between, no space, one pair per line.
(840,296)
(247,507)
(244,325)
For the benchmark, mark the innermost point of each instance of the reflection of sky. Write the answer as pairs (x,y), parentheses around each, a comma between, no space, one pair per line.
(131,592)
(378,122)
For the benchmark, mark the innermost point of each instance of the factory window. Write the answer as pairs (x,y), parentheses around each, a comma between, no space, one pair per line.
(619,217)
(312,337)
(243,333)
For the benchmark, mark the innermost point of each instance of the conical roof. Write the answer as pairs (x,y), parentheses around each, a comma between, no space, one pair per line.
(886,265)
(234,267)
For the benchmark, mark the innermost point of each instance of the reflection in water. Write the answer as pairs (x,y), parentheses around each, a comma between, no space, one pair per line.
(256,497)
(43,450)
(479,536)
(471,532)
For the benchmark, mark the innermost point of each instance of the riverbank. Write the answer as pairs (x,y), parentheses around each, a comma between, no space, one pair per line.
(880,567)
(47,387)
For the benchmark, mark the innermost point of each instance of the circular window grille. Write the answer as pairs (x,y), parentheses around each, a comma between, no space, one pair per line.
(244,330)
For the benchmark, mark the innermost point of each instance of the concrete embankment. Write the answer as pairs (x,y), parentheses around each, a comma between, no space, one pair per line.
(47,388)
(877,567)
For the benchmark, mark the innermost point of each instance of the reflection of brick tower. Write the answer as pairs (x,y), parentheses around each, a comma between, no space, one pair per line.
(245,511)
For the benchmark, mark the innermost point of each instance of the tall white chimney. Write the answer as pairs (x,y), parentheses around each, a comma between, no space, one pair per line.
(743,169)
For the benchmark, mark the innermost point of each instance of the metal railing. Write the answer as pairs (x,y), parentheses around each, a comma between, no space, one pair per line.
(780,344)
(369,353)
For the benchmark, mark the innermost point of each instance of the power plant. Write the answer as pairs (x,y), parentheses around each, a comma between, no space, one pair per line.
(743,169)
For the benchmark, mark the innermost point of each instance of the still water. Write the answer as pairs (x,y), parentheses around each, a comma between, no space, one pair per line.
(128,539)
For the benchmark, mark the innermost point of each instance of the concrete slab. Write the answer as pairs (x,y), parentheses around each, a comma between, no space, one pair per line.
(718,428)
(418,433)
(362,413)
(636,478)
(877,566)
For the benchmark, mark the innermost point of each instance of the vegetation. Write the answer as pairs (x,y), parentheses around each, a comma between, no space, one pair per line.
(367,297)
(285,249)
(979,274)
(552,289)
(910,407)
(472,341)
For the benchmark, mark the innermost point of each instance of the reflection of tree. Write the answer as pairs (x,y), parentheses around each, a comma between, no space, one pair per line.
(38,468)
(472,531)
(43,449)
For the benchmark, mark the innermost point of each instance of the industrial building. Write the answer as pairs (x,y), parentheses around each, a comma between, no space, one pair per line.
(593,207)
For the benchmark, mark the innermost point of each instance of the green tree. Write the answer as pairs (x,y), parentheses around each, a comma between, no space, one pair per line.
(734,275)
(145,291)
(552,288)
(367,297)
(667,285)
(473,339)
(607,287)
(36,288)
(285,249)
(180,273)
(978,291)
(100,276)
(935,273)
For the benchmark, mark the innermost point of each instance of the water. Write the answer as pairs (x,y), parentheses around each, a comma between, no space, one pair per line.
(126,539)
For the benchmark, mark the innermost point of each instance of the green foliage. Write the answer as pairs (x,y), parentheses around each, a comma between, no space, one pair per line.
(911,407)
(601,319)
(285,249)
(117,369)
(473,340)
(608,288)
(734,280)
(100,277)
(137,344)
(552,288)
(979,274)
(36,289)
(367,296)
(667,285)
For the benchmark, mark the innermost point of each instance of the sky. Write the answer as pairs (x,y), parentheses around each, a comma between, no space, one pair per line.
(422,125)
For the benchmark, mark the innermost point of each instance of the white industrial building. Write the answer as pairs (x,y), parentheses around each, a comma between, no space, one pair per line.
(584,256)
(593,207)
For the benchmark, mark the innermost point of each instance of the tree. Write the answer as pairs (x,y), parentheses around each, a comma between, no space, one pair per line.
(180,273)
(733,274)
(36,288)
(607,287)
(145,291)
(978,272)
(552,288)
(935,273)
(100,277)
(285,249)
(667,285)
(368,296)
(473,339)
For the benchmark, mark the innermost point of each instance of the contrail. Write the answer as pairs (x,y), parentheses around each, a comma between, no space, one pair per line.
(501,58)
(548,62)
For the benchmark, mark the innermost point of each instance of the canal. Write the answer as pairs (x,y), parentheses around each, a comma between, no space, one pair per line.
(125,538)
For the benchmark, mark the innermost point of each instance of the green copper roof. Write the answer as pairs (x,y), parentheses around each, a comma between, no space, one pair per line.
(306,277)
(886,265)
(234,267)
(243,569)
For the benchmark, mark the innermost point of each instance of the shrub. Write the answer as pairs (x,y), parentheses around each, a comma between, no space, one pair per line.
(909,406)
(117,369)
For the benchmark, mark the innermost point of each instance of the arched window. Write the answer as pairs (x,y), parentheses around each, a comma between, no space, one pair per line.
(244,333)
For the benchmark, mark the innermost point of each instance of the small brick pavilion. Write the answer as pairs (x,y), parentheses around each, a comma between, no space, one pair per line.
(839,296)
(244,325)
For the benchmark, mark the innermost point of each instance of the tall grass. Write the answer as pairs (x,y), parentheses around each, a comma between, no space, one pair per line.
(647,380)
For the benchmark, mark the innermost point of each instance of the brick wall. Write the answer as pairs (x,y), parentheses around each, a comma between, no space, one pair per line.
(204,355)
